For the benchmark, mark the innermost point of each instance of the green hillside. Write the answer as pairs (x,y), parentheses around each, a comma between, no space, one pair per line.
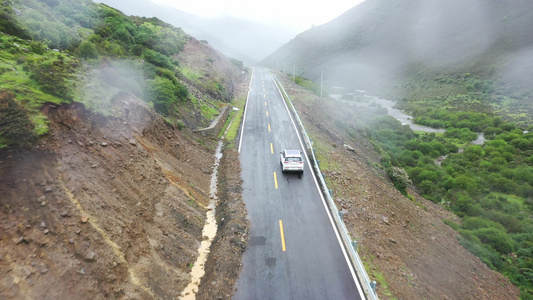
(60,51)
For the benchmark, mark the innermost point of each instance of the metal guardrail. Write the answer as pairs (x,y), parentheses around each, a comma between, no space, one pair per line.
(350,245)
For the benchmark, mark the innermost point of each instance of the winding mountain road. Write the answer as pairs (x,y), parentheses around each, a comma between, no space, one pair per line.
(294,251)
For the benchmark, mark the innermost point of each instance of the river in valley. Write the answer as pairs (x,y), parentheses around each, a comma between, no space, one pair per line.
(364,100)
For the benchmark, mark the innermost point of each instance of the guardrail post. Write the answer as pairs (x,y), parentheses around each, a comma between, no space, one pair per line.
(373,286)
(330,192)
(318,163)
(341,214)
(354,245)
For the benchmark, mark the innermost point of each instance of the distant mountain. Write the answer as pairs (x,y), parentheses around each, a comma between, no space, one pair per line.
(240,39)
(379,41)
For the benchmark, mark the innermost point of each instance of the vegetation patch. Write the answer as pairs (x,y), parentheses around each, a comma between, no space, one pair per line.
(490,186)
(307,84)
(63,51)
(235,124)
(377,275)
(16,129)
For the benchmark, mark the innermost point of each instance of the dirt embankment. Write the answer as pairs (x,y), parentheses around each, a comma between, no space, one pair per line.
(405,244)
(111,207)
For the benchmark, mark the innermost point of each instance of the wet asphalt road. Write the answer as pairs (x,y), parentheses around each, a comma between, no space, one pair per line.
(293,250)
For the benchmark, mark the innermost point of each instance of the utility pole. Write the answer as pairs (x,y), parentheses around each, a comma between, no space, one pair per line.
(321,82)
(293,73)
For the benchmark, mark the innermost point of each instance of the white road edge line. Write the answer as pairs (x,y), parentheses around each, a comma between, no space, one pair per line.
(245,108)
(352,271)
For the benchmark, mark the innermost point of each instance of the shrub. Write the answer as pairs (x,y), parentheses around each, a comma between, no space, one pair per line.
(162,94)
(489,256)
(399,177)
(9,23)
(427,175)
(427,187)
(496,238)
(87,50)
(123,35)
(37,47)
(16,128)
(466,183)
(472,223)
(157,59)
(53,76)
(452,224)
(510,222)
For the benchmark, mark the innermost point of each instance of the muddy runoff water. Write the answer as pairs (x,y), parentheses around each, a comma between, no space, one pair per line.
(209,232)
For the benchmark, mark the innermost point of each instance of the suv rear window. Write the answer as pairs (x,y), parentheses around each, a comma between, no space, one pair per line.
(293,159)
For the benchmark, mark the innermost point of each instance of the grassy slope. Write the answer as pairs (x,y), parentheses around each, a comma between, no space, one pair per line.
(117,62)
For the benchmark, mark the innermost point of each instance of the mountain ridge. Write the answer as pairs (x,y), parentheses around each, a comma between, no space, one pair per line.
(385,40)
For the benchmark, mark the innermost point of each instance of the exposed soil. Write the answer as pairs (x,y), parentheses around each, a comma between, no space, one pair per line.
(406,246)
(114,207)
(107,207)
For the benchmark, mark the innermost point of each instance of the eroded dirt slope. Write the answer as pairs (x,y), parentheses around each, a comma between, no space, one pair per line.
(405,244)
(105,207)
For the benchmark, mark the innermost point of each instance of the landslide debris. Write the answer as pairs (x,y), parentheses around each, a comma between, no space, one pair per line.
(108,207)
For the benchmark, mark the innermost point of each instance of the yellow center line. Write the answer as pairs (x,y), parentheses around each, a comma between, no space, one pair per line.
(275,180)
(271,149)
(268,127)
(282,236)
(267,113)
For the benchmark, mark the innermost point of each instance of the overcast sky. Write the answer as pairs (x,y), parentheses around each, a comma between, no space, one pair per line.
(298,14)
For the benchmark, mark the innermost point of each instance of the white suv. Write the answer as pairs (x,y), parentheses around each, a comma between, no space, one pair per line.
(291,160)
